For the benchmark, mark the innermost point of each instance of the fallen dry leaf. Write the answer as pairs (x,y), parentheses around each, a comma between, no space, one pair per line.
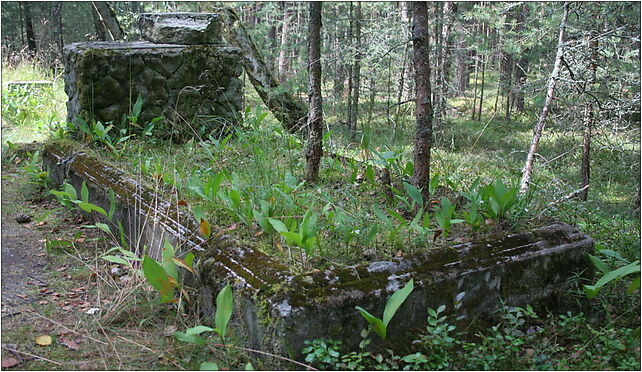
(40,254)
(9,362)
(80,240)
(60,269)
(67,308)
(21,296)
(41,223)
(70,344)
(44,340)
(43,302)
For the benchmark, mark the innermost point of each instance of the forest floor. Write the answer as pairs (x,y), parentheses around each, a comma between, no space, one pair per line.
(53,285)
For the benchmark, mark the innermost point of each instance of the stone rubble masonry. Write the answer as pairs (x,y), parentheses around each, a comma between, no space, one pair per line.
(180,28)
(196,90)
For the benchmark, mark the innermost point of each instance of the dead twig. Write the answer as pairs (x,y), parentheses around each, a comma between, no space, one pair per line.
(561,200)
(31,355)
(266,353)
(67,328)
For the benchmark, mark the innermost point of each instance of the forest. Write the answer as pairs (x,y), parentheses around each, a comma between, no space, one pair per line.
(322,140)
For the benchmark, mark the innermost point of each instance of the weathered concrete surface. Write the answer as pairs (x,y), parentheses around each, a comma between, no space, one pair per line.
(276,310)
(195,89)
(180,28)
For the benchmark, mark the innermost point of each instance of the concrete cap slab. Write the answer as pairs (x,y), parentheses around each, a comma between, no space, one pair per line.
(180,28)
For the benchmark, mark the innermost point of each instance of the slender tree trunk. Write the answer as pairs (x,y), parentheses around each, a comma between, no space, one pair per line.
(539,127)
(31,37)
(287,109)
(424,112)
(475,90)
(108,18)
(350,67)
(589,117)
(271,36)
(521,67)
(283,60)
(449,12)
(357,74)
(314,149)
(56,27)
(483,60)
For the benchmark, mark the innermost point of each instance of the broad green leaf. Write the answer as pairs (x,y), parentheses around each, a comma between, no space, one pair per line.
(121,231)
(635,284)
(293,237)
(278,225)
(599,264)
(84,192)
(137,107)
(249,367)
(89,207)
(198,330)
(198,213)
(235,198)
(115,259)
(208,366)
(189,259)
(213,184)
(103,227)
(168,262)
(194,339)
(224,307)
(383,217)
(309,225)
(158,278)
(397,216)
(370,174)
(69,189)
(395,301)
(376,323)
(414,193)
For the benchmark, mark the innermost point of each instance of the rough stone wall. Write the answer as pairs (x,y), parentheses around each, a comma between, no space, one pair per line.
(193,88)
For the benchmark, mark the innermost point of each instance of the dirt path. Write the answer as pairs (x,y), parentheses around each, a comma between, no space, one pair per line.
(22,245)
(52,278)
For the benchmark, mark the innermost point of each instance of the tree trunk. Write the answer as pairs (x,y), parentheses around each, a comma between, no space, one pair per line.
(423,113)
(108,18)
(101,34)
(539,127)
(449,13)
(31,37)
(350,40)
(475,90)
(483,60)
(290,111)
(356,80)
(314,149)
(521,68)
(56,27)
(283,61)
(271,36)
(588,116)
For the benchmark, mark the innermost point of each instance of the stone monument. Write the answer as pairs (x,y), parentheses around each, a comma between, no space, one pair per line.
(183,73)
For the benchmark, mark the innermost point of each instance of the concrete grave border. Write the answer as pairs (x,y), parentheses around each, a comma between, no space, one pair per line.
(277,311)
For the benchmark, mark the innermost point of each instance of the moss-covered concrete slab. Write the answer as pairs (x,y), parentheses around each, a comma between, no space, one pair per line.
(277,311)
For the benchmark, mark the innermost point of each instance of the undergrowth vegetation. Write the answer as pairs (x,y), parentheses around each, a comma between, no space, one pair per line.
(364,208)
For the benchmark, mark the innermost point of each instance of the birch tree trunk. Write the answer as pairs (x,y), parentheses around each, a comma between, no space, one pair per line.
(290,111)
(539,127)
(314,149)
(108,18)
(424,111)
